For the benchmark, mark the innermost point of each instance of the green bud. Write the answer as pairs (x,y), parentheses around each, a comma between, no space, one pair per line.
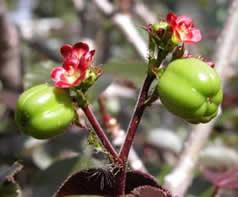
(161,25)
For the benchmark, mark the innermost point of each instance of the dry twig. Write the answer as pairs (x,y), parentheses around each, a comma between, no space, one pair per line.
(125,24)
(10,71)
(144,13)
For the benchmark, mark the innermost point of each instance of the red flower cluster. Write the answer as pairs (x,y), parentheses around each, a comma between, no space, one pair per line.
(183,29)
(77,59)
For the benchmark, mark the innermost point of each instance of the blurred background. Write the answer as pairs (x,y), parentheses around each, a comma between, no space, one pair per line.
(32,31)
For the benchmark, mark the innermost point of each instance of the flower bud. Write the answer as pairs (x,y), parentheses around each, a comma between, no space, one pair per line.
(159,26)
(92,74)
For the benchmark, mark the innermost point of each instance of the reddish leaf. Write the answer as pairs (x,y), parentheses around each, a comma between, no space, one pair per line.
(100,181)
(149,191)
(88,182)
(227,179)
(137,178)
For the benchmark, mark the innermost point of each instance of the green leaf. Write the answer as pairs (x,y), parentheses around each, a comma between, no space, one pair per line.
(207,193)
(38,73)
(165,169)
(101,84)
(131,70)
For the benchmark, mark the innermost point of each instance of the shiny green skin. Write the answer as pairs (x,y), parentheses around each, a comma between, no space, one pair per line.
(44,111)
(191,89)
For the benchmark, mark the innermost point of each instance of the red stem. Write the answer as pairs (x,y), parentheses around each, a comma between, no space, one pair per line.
(100,133)
(215,191)
(134,122)
(136,117)
(120,181)
(131,131)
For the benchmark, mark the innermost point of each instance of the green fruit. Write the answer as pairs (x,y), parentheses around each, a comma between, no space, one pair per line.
(44,111)
(191,89)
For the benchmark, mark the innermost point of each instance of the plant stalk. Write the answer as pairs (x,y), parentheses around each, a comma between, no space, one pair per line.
(136,117)
(134,122)
(131,131)
(215,191)
(100,133)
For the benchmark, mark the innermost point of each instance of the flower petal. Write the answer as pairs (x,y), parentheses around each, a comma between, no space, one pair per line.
(71,62)
(62,84)
(57,73)
(86,60)
(171,18)
(66,50)
(197,36)
(193,36)
(81,49)
(58,76)
(89,56)
(78,81)
(184,19)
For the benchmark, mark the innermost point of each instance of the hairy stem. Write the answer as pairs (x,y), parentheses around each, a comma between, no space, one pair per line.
(100,133)
(118,134)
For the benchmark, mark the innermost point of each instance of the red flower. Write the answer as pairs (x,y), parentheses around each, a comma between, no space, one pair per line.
(77,59)
(183,29)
